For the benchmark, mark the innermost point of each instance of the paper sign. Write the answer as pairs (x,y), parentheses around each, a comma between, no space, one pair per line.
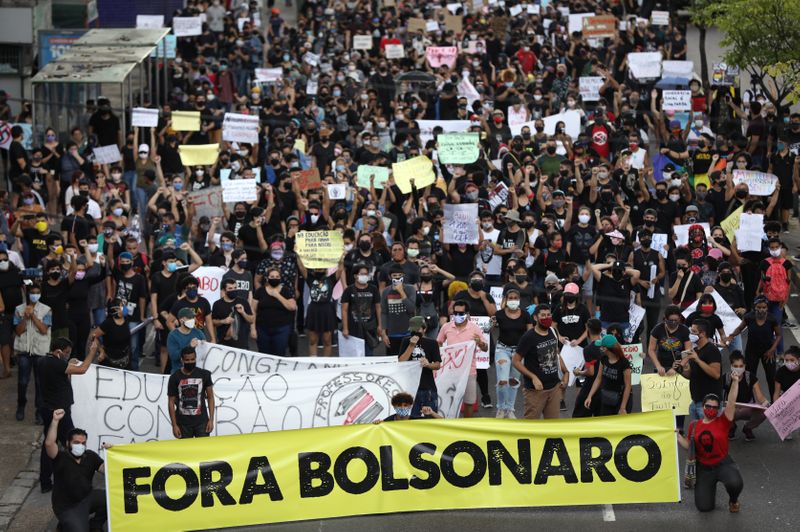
(723,75)
(635,355)
(498,195)
(149,22)
(187,26)
(730,320)
(784,414)
(635,317)
(240,128)
(269,75)
(441,55)
(659,18)
(731,223)
(576,21)
(143,117)
(482,357)
(350,346)
(362,42)
(319,249)
(497,294)
(460,223)
(198,154)
(750,232)
(426,128)
(418,168)
(682,232)
(394,51)
(299,145)
(599,26)
(186,120)
(677,69)
(206,201)
(107,154)
(758,183)
(573,358)
(665,393)
(208,280)
(381,174)
(337,191)
(458,148)
(590,88)
(660,244)
(676,100)
(645,65)
(235,190)
(308,179)
(311,59)
(431,26)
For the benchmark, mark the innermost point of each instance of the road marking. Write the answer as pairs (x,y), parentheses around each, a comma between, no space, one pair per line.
(791,318)
(608,513)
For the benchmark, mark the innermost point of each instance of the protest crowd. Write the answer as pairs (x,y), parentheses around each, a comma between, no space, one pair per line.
(390,179)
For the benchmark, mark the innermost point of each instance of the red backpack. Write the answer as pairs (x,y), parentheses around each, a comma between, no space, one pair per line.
(776,282)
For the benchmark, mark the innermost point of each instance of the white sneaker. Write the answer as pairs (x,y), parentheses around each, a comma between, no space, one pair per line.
(510,414)
(500,414)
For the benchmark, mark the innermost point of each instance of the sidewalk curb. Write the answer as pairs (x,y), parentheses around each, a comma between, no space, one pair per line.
(20,488)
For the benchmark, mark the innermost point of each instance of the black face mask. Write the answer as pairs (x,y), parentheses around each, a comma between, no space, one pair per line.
(274,282)
(125,267)
(364,245)
(189,366)
(54,275)
(741,194)
(726,277)
(551,150)
(661,194)
(520,278)
(645,242)
(242,264)
(426,278)
(476,285)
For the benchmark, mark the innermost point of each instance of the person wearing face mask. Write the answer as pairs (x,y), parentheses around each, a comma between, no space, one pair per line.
(275,314)
(707,310)
(419,348)
(403,407)
(776,275)
(116,334)
(361,310)
(362,253)
(84,278)
(191,398)
(650,264)
(702,366)
(284,260)
(749,393)
(687,286)
(184,335)
(55,292)
(613,382)
(232,317)
(764,334)
(512,322)
(76,505)
(615,281)
(787,375)
(11,296)
(707,443)
(240,273)
(398,305)
(570,317)
(32,327)
(131,288)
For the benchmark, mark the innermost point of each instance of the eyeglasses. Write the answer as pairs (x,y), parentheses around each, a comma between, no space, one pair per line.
(459,313)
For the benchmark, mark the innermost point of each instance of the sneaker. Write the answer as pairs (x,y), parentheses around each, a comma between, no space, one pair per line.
(510,414)
(501,414)
(732,433)
(733,507)
(563,406)
(748,434)
(20,413)
(486,402)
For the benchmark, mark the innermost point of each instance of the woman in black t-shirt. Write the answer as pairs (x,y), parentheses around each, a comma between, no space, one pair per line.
(116,337)
(275,310)
(571,316)
(667,340)
(763,336)
(512,322)
(613,382)
(707,310)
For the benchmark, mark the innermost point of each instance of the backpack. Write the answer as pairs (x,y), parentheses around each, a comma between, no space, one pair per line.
(776,282)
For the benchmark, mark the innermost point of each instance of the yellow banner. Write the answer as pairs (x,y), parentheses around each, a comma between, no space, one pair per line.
(402,466)
(186,120)
(198,154)
(665,393)
(731,224)
(419,168)
(319,249)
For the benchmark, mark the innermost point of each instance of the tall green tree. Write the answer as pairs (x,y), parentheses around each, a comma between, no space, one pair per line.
(761,37)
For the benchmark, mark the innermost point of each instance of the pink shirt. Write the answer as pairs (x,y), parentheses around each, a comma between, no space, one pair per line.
(451,334)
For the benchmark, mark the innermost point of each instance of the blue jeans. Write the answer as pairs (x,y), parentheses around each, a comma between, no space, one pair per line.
(735,345)
(425,398)
(776,311)
(273,341)
(137,343)
(28,363)
(98,316)
(506,393)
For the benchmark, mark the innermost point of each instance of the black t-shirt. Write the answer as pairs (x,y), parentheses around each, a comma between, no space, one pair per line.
(37,245)
(746,386)
(190,391)
(512,329)
(201,309)
(55,297)
(221,310)
(80,225)
(131,290)
(270,313)
(581,239)
(614,298)
(54,383)
(700,383)
(713,320)
(116,338)
(759,336)
(786,378)
(614,374)
(571,322)
(427,348)
(540,356)
(476,306)
(163,286)
(361,305)
(72,478)
(16,151)
(669,345)
(106,129)
(591,356)
(11,289)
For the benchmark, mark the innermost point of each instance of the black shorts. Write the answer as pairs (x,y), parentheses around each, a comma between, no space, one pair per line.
(6,330)
(194,430)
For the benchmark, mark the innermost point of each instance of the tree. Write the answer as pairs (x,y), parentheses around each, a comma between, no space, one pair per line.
(702,21)
(763,38)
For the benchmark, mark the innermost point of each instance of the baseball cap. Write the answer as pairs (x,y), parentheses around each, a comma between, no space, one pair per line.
(186,313)
(609,340)
(571,288)
(416,324)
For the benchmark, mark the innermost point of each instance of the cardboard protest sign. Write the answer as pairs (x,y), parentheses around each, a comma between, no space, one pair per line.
(418,168)
(599,26)
(319,249)
(460,223)
(441,55)
(673,100)
(458,148)
(107,154)
(187,26)
(185,120)
(416,24)
(575,21)
(308,179)
(198,154)
(758,183)
(590,88)
(206,201)
(453,23)
(240,128)
(381,174)
(665,393)
(143,117)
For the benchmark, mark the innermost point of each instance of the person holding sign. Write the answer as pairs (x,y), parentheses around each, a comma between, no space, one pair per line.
(708,444)
(613,380)
(321,314)
(749,393)
(787,375)
(701,365)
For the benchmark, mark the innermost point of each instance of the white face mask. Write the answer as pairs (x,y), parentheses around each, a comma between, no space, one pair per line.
(4,265)
(512,304)
(674,197)
(189,324)
(584,218)
(426,230)
(459,319)
(412,253)
(77,449)
(363,279)
(314,218)
(693,338)
(775,252)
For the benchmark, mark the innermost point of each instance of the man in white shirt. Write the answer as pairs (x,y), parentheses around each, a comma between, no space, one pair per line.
(490,263)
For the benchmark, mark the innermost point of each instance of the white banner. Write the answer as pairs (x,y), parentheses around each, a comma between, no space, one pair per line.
(451,379)
(107,154)
(268,75)
(730,320)
(645,64)
(758,183)
(118,406)
(677,69)
(149,22)
(571,119)
(482,357)
(460,223)
(676,100)
(234,190)
(208,278)
(187,26)
(240,128)
(590,88)
(144,117)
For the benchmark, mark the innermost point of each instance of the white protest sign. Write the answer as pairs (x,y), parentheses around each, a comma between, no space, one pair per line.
(676,100)
(660,244)
(268,75)
(149,22)
(467,90)
(460,223)
(590,88)
(571,119)
(234,190)
(482,357)
(784,414)
(498,195)
(452,377)
(458,148)
(362,42)
(635,355)
(635,317)
(758,183)
(187,26)
(576,21)
(750,232)
(118,406)
(426,128)
(312,85)
(208,279)
(394,51)
(431,25)
(682,232)
(311,58)
(643,65)
(515,10)
(240,128)
(350,346)
(206,201)
(659,18)
(729,318)
(573,358)
(441,55)
(517,117)
(143,117)
(497,294)
(677,69)
(337,191)
(107,154)
(365,172)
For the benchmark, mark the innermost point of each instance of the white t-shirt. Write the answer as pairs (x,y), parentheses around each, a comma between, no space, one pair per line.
(495,264)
